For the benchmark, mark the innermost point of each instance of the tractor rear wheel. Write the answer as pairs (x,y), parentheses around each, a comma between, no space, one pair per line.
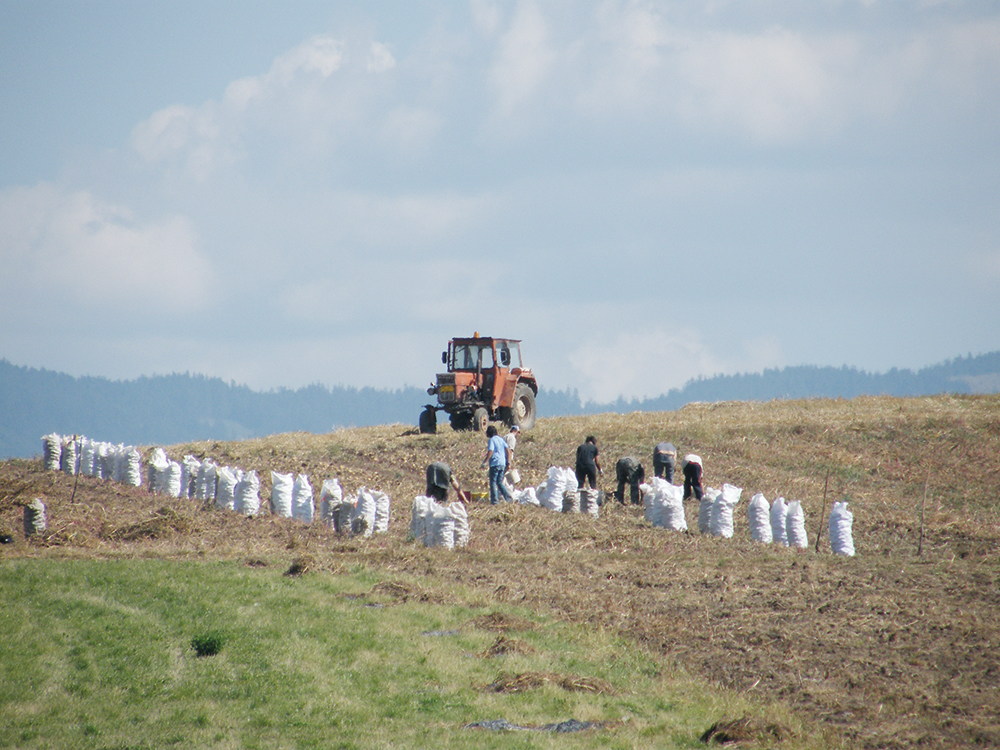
(428,421)
(523,412)
(480,418)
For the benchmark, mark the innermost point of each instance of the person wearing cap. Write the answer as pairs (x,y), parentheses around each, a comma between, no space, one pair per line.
(691,466)
(664,459)
(439,479)
(512,440)
(496,455)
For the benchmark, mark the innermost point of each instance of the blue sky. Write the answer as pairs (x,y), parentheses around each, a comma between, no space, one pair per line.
(644,192)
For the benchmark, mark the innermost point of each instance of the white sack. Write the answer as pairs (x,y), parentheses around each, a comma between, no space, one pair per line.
(189,477)
(158,465)
(588,502)
(527,496)
(461,515)
(420,529)
(721,522)
(778,513)
(281,494)
(363,514)
(172,477)
(88,451)
(133,467)
(247,501)
(303,508)
(382,504)
(206,480)
(225,488)
(672,506)
(841,535)
(708,498)
(331,495)
(68,460)
(759,518)
(52,451)
(443,524)
(120,459)
(795,525)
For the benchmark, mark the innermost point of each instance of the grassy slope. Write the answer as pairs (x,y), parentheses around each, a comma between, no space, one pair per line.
(882,649)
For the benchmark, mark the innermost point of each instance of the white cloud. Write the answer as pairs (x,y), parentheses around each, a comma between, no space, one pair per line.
(524,59)
(74,254)
(380,59)
(654,360)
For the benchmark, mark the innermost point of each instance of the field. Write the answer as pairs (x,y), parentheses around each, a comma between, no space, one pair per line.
(896,647)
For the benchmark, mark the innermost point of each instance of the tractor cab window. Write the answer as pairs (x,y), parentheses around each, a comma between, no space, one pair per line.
(467,357)
(509,353)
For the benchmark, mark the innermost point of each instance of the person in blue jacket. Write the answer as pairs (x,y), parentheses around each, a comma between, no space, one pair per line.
(496,456)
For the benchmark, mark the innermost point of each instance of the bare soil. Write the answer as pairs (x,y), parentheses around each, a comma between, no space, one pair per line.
(896,647)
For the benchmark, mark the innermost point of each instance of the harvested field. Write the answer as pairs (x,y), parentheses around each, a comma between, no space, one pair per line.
(890,648)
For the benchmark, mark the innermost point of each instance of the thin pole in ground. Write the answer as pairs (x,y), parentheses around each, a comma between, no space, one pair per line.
(923,502)
(822,508)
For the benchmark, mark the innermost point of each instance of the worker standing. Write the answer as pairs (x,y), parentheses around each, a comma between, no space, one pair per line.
(588,465)
(496,457)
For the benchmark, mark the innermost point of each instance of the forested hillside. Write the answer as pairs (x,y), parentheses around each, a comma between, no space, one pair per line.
(176,408)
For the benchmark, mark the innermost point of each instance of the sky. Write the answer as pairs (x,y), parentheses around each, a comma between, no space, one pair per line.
(282,194)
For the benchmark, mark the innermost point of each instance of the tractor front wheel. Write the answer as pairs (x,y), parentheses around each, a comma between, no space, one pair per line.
(480,418)
(523,412)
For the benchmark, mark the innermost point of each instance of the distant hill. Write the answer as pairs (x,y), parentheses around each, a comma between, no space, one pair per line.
(168,409)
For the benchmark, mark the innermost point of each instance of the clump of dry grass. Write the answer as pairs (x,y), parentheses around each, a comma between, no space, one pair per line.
(744,731)
(504,646)
(300,565)
(519,683)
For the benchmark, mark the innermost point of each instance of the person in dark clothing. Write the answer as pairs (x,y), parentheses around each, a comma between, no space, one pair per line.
(691,466)
(664,459)
(588,466)
(439,479)
(629,472)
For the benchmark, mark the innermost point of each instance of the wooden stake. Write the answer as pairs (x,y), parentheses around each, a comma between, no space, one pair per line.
(822,509)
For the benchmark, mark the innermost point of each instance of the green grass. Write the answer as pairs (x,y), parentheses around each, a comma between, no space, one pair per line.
(102,654)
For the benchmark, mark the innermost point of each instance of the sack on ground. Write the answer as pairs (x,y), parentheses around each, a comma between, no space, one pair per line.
(225,488)
(303,508)
(841,534)
(331,495)
(759,519)
(247,500)
(795,525)
(721,522)
(708,498)
(52,451)
(779,534)
(281,494)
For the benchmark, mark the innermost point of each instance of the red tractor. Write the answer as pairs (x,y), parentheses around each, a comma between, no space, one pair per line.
(485,381)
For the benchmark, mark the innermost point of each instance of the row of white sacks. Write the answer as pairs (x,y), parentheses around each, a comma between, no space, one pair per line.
(559,492)
(227,487)
(291,496)
(779,522)
(92,458)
